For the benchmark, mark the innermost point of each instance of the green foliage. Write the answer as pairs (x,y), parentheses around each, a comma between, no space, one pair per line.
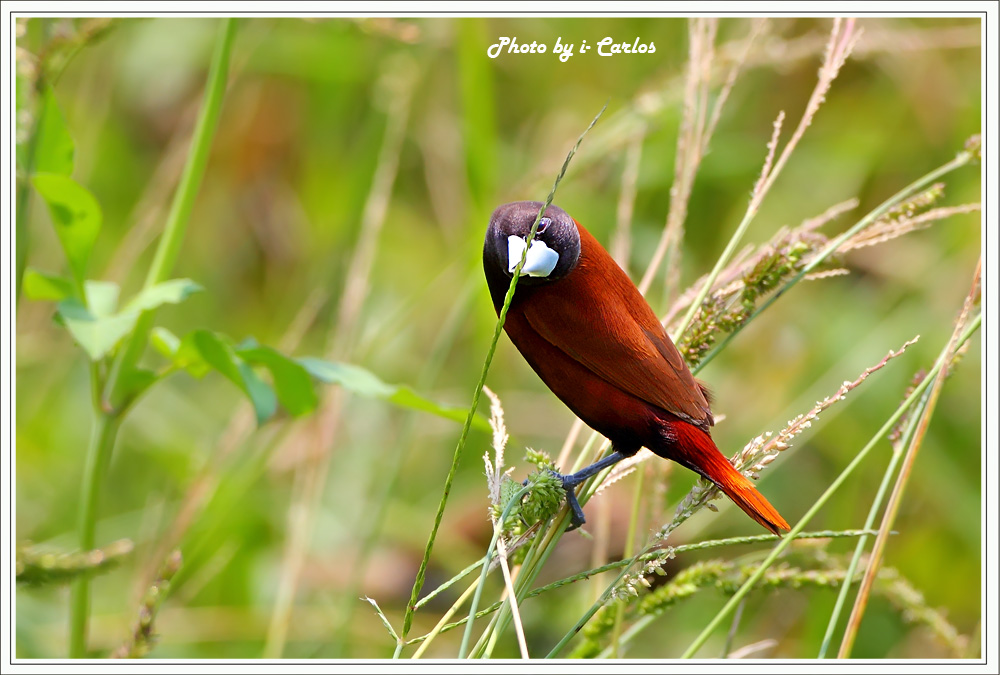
(89,310)
(94,320)
(219,353)
(95,326)
(292,382)
(167,292)
(362,381)
(727,577)
(76,216)
(42,286)
(273,225)
(43,145)
(54,146)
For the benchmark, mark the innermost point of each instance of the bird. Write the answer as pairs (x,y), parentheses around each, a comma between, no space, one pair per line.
(585,329)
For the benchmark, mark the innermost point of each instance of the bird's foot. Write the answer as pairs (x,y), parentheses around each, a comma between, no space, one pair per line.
(576,518)
(569,484)
(571,481)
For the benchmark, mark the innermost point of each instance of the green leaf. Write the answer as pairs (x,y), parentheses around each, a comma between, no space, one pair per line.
(165,342)
(54,145)
(173,292)
(407,398)
(98,335)
(292,382)
(355,378)
(136,381)
(76,216)
(24,98)
(95,325)
(190,358)
(219,354)
(364,382)
(102,297)
(182,353)
(41,286)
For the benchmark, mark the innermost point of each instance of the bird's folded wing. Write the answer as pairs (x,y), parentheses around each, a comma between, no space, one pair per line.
(610,329)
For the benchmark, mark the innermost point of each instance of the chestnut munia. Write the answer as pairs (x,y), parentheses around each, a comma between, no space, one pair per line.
(584,327)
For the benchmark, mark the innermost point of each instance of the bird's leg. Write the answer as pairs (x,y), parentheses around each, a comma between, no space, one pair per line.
(570,482)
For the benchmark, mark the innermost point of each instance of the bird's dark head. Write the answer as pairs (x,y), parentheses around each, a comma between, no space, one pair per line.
(554,251)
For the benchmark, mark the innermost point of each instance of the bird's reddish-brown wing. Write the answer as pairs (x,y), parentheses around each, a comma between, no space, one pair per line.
(598,317)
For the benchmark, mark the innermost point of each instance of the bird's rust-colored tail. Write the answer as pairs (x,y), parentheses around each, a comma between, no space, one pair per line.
(695,449)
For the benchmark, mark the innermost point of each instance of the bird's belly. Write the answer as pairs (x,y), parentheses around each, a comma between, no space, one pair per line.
(629,422)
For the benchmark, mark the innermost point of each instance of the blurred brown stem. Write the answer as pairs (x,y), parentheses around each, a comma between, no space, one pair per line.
(311,474)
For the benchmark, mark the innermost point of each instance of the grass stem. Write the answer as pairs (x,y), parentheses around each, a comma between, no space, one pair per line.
(183,202)
(102,442)
(859,548)
(107,422)
(422,570)
(923,417)
(834,486)
(963,158)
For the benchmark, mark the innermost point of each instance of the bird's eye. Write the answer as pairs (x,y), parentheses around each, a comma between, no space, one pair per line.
(543,224)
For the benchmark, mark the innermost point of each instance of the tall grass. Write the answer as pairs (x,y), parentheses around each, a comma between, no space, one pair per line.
(342,215)
(843,38)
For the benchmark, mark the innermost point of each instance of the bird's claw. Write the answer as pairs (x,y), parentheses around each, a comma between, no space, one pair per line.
(576,517)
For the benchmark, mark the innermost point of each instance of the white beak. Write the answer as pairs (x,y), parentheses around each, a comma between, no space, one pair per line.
(541,259)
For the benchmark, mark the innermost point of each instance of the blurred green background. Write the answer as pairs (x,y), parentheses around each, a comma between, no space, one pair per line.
(276,229)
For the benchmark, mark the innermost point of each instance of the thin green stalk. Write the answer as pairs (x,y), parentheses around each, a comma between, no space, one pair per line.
(963,158)
(531,567)
(24,192)
(895,498)
(720,265)
(442,624)
(194,170)
(960,160)
(497,528)
(876,506)
(448,584)
(107,422)
(779,549)
(542,546)
(494,635)
(581,576)
(626,563)
(457,456)
(102,441)
(389,477)
(630,551)
(21,236)
(180,209)
(536,558)
(601,601)
(479,651)
(422,570)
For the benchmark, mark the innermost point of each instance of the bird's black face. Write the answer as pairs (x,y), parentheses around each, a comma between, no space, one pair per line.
(554,251)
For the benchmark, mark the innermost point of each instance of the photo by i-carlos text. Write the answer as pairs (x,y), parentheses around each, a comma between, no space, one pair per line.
(605,47)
